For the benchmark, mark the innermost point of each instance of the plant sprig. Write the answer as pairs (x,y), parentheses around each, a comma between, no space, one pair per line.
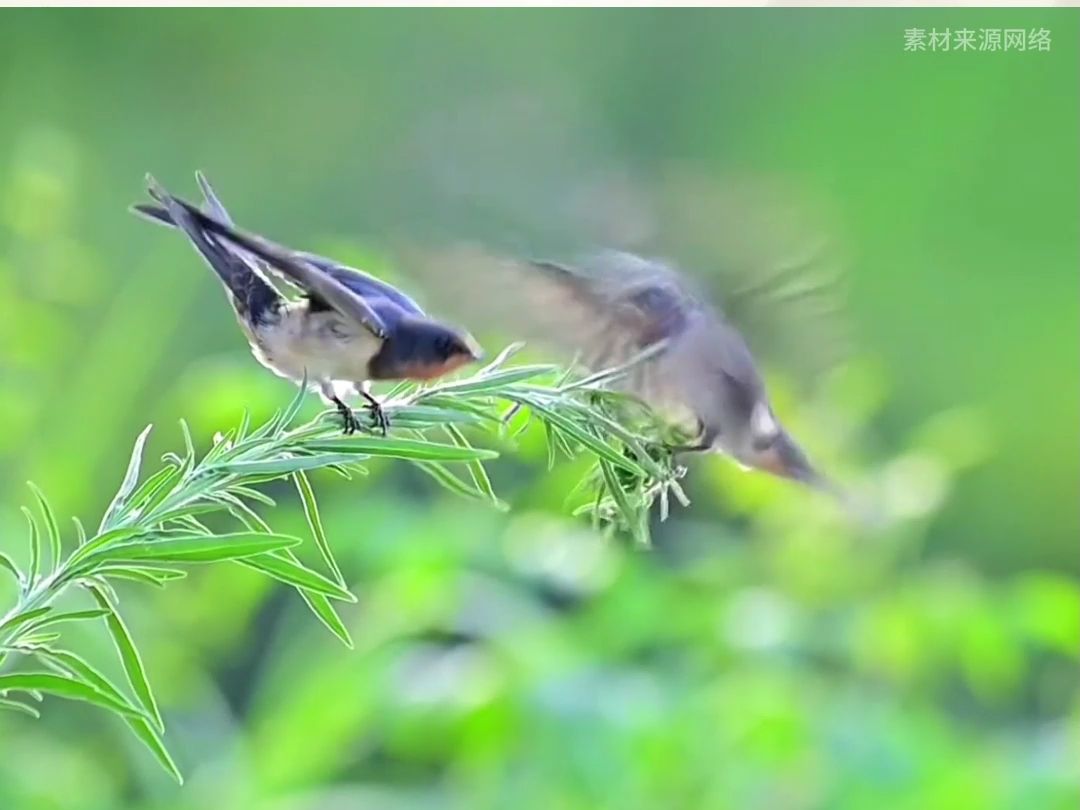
(152,531)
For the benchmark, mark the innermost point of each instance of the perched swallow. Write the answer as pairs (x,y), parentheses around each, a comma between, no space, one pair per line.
(348,328)
(696,368)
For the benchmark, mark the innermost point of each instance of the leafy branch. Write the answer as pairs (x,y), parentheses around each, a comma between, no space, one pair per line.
(153,530)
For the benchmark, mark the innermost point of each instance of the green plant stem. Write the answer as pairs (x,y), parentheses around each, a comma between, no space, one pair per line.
(154,522)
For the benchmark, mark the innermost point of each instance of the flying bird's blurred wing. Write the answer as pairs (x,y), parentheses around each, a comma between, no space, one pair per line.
(771,261)
(606,311)
(640,302)
(632,303)
(293,266)
(762,252)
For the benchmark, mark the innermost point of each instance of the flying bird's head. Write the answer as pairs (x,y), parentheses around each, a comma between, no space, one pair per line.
(764,444)
(782,456)
(421,349)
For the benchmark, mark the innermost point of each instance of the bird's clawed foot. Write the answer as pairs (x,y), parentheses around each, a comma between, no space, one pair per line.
(352,424)
(378,414)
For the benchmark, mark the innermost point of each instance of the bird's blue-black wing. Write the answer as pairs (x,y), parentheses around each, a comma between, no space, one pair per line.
(368,287)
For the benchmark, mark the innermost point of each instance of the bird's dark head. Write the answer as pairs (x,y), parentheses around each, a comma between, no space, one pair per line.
(420,349)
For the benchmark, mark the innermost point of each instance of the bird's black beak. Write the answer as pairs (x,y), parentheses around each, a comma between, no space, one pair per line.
(784,458)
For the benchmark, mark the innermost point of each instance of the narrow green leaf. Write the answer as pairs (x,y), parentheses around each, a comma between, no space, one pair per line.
(164,499)
(189,444)
(149,737)
(66,688)
(482,411)
(38,639)
(70,663)
(70,616)
(398,391)
(629,513)
(597,446)
(199,548)
(244,513)
(252,494)
(597,508)
(403,448)
(549,435)
(422,416)
(286,466)
(129,656)
(498,380)
(51,527)
(9,564)
(190,524)
(324,611)
(23,618)
(80,532)
(526,420)
(223,443)
(294,573)
(266,428)
(294,407)
(476,468)
(154,489)
(189,510)
(245,423)
(615,372)
(102,541)
(311,512)
(561,442)
(195,487)
(103,584)
(35,549)
(449,481)
(618,431)
(131,477)
(348,471)
(501,358)
(568,372)
(16,706)
(247,509)
(511,412)
(152,575)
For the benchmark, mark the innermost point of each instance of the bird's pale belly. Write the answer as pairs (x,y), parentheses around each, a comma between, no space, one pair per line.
(319,345)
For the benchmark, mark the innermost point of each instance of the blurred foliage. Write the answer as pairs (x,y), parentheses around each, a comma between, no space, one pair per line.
(767,653)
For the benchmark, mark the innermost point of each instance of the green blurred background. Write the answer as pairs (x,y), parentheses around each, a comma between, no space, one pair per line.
(767,655)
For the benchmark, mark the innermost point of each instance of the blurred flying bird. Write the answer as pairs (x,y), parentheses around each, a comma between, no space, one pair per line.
(347,329)
(538,176)
(615,306)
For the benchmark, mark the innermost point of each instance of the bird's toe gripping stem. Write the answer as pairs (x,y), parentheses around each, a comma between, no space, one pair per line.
(351,423)
(378,413)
